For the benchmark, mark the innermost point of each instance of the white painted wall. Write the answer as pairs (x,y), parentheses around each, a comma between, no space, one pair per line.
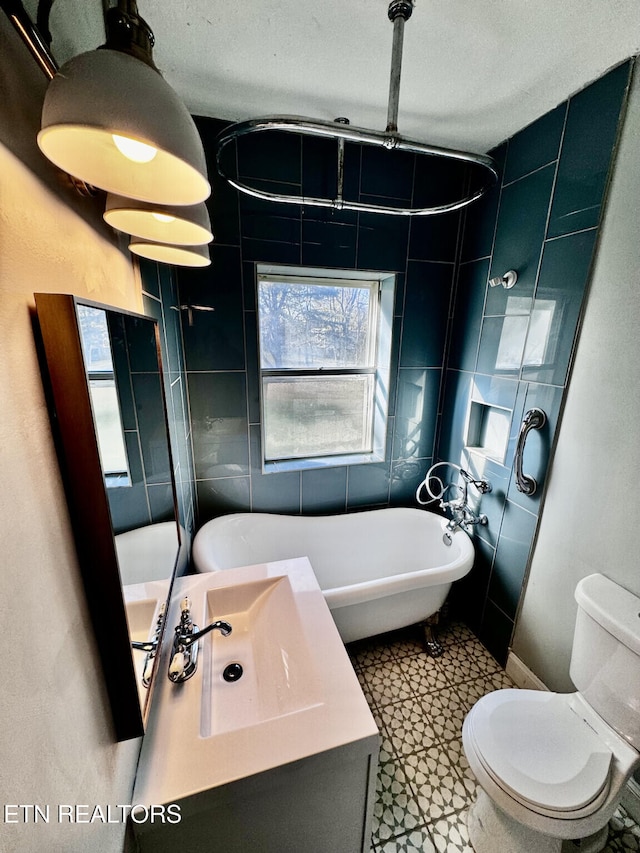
(590,518)
(56,738)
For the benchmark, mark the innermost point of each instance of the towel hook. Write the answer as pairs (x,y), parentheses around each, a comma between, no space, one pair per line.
(534,419)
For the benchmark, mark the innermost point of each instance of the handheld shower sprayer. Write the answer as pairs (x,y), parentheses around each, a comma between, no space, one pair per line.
(462,513)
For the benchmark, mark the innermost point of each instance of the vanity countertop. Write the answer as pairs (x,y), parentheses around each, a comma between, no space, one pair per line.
(201,735)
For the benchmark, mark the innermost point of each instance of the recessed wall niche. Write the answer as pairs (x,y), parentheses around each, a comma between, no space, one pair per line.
(488,430)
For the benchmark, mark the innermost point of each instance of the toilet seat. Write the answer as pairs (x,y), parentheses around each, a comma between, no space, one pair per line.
(541,752)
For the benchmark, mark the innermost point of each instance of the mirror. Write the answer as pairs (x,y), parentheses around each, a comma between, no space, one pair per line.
(109,413)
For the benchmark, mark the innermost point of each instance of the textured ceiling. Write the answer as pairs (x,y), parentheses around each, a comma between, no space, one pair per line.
(473,73)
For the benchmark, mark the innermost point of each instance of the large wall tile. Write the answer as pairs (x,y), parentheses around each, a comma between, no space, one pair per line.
(502,341)
(382,242)
(253,367)
(271,251)
(219,497)
(564,273)
(434,238)
(269,220)
(214,338)
(512,554)
(219,424)
(480,217)
(426,309)
(535,146)
(439,182)
(455,407)
(368,485)
(522,219)
(328,244)
(387,173)
(589,139)
(273,156)
(416,411)
(150,415)
(495,631)
(469,594)
(274,492)
(406,476)
(467,315)
(324,491)
(223,202)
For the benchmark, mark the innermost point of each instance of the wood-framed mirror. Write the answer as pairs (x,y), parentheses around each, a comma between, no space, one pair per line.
(105,383)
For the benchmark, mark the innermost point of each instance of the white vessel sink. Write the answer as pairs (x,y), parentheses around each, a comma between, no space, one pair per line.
(268,643)
(298,695)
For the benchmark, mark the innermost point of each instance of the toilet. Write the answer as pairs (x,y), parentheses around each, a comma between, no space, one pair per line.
(552,766)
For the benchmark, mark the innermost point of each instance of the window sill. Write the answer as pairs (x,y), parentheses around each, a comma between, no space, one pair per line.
(323,462)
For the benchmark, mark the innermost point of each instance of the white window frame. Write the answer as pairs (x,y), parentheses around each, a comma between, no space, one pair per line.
(119,476)
(382,285)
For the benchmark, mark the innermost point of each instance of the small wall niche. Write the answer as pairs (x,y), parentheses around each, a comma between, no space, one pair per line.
(488,430)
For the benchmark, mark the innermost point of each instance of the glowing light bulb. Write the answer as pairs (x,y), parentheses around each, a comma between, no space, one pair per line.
(163,217)
(134,150)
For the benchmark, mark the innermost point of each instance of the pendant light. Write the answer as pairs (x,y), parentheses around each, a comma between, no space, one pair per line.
(164,253)
(111,120)
(186,225)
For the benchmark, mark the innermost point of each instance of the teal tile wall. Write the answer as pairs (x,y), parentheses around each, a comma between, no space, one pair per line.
(513,348)
(148,497)
(160,300)
(220,344)
(541,220)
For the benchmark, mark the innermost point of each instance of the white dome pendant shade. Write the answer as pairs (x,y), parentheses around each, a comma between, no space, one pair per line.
(98,106)
(187,225)
(178,256)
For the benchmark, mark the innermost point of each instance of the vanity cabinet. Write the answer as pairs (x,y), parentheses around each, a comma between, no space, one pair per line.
(321,804)
(287,766)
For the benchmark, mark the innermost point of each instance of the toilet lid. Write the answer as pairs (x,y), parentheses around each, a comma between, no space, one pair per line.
(533,744)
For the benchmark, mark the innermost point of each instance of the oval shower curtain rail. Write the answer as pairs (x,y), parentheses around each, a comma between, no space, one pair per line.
(345,132)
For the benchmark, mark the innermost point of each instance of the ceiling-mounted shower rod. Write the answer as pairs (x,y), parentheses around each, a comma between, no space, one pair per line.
(339,131)
(399,12)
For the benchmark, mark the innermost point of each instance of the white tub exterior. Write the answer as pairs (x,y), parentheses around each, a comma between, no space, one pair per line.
(379,570)
(151,552)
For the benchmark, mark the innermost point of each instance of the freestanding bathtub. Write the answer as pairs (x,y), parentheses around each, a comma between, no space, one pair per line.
(379,569)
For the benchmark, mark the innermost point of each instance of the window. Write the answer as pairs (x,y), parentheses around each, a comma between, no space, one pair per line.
(324,365)
(96,349)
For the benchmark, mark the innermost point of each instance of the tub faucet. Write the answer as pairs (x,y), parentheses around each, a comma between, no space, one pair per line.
(462,517)
(184,655)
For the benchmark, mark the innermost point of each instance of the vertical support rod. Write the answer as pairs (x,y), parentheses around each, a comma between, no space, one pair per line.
(394,78)
(340,176)
(340,170)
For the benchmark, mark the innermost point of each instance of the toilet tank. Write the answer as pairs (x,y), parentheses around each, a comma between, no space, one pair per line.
(605,661)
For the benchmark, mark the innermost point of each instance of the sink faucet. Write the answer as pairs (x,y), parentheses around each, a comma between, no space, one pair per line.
(184,656)
(150,647)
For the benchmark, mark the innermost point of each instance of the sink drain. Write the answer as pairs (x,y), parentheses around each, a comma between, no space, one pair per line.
(232,672)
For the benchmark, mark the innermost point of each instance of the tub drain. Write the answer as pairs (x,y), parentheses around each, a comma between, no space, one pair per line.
(232,672)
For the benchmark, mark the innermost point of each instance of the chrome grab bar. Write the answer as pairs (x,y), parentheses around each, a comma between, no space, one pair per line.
(534,419)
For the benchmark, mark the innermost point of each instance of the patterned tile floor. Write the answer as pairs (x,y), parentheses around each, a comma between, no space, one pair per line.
(424,784)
